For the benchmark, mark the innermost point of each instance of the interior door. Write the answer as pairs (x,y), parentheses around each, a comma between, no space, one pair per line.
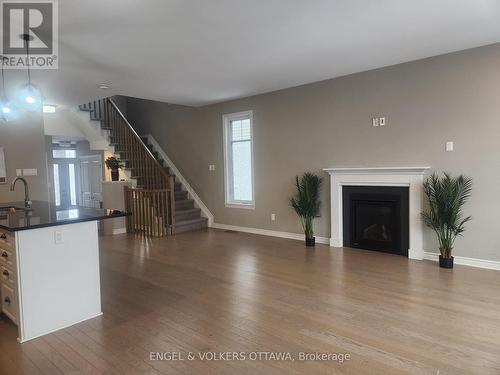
(91,181)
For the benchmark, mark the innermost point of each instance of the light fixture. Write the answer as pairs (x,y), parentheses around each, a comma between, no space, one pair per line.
(47,108)
(103,86)
(6,108)
(30,97)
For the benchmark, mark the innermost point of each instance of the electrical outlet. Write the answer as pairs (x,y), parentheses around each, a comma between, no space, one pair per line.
(381,121)
(273,217)
(58,237)
(375,121)
(211,167)
(19,172)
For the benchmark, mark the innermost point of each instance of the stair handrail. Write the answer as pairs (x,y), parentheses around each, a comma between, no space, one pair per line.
(160,167)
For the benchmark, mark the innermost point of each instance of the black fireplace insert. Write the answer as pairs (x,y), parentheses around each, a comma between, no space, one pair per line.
(376,218)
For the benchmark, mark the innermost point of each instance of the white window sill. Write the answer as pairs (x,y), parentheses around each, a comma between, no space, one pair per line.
(246,206)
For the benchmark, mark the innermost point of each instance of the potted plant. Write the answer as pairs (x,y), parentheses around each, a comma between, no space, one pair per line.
(447,196)
(306,203)
(114,164)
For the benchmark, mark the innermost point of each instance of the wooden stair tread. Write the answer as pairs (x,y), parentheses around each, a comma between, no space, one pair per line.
(190,221)
(181,211)
(184,200)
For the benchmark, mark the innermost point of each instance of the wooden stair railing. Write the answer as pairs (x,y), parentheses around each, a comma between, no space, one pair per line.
(149,209)
(152,202)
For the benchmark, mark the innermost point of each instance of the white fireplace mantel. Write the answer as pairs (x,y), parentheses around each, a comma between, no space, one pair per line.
(412,177)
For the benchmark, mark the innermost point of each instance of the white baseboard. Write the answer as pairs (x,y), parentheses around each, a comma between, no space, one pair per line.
(180,178)
(22,341)
(266,232)
(335,242)
(417,254)
(465,261)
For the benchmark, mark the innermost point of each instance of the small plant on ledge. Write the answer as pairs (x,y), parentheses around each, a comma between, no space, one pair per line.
(447,196)
(306,203)
(114,164)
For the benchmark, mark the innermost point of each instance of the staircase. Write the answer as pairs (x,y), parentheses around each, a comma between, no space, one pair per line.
(187,216)
(160,206)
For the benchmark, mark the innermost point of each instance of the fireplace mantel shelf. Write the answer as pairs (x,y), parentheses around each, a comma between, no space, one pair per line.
(378,170)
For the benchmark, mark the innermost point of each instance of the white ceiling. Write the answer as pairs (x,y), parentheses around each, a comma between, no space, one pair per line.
(196,52)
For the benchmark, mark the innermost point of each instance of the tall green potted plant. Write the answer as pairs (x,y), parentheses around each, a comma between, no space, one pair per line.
(447,196)
(306,203)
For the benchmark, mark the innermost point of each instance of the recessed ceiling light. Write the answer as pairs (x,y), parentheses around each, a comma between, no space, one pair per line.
(49,109)
(103,86)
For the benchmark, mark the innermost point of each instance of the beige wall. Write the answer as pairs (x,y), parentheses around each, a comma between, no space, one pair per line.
(24,145)
(454,97)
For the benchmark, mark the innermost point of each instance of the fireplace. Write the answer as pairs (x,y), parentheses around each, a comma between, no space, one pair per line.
(410,178)
(376,218)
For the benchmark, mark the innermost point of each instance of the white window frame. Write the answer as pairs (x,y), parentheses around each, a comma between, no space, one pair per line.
(226,121)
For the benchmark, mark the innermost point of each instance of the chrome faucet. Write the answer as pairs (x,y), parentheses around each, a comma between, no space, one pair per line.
(27,201)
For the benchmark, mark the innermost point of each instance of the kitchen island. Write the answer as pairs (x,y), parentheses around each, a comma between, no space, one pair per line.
(49,266)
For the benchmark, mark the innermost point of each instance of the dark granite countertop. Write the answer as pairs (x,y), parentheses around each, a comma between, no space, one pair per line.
(46,214)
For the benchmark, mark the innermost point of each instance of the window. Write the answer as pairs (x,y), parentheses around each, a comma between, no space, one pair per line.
(238,160)
(63,154)
(72,184)
(57,192)
(49,108)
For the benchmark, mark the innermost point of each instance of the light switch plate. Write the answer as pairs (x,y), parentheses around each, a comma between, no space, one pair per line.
(375,121)
(19,172)
(30,172)
(449,146)
(381,121)
(273,217)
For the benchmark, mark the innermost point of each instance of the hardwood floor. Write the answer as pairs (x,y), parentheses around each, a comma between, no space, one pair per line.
(216,291)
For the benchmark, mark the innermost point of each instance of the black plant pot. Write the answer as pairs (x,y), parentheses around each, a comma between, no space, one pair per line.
(115,175)
(445,262)
(311,242)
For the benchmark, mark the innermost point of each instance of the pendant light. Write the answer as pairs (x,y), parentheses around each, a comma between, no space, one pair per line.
(6,111)
(30,97)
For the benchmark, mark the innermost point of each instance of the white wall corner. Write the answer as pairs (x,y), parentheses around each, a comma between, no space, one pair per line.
(180,178)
